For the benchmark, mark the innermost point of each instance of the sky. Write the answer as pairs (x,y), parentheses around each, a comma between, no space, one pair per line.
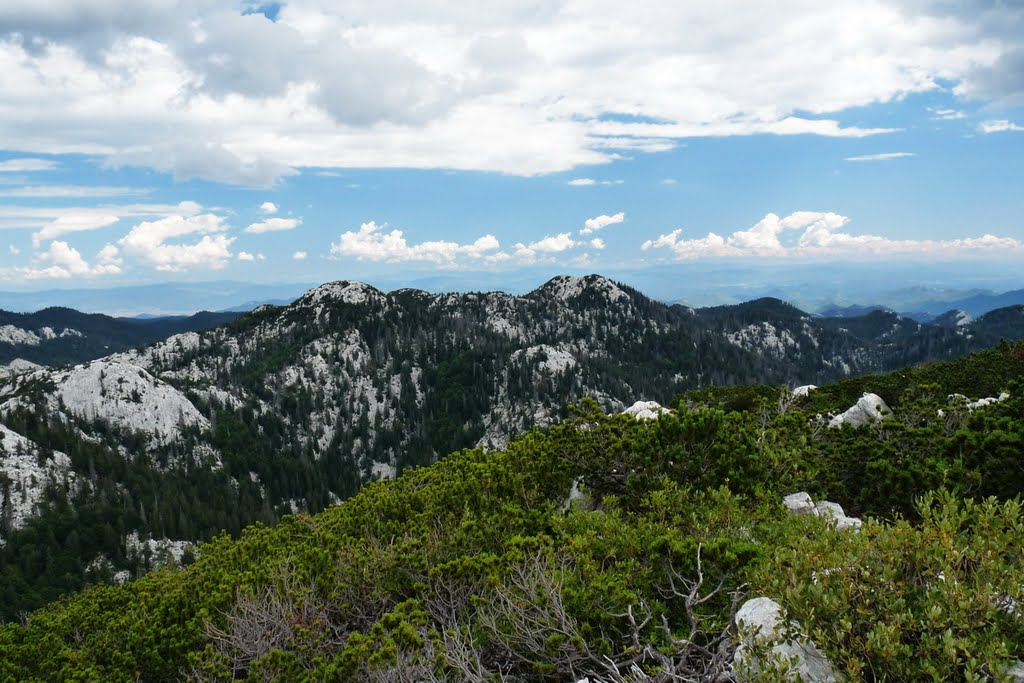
(315,140)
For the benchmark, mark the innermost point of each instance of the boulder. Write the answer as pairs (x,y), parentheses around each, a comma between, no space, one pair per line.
(799,503)
(802,504)
(804,390)
(760,623)
(834,511)
(645,410)
(869,408)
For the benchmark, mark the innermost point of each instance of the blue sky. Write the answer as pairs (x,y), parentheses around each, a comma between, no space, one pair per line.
(292,142)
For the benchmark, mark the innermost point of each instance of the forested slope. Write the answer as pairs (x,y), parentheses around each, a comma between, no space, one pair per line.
(487,567)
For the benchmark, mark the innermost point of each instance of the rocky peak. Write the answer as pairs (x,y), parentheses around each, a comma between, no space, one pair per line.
(344,291)
(571,287)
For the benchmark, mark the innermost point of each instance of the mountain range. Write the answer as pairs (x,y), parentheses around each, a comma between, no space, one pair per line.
(289,409)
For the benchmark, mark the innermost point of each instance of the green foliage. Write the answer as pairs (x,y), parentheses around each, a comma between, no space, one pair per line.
(482,563)
(932,601)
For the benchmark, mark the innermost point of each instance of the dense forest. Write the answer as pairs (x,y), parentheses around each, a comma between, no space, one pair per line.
(292,409)
(616,549)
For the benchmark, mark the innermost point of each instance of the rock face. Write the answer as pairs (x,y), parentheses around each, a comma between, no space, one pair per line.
(869,408)
(761,627)
(804,390)
(802,504)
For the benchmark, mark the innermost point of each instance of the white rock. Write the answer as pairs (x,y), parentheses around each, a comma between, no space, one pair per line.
(804,390)
(19,464)
(18,366)
(128,397)
(869,408)
(799,503)
(1016,672)
(760,623)
(9,334)
(834,511)
(645,410)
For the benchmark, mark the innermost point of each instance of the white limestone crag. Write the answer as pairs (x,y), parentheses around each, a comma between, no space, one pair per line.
(127,397)
(645,410)
(345,291)
(18,366)
(869,408)
(10,334)
(569,287)
(762,628)
(27,478)
(803,390)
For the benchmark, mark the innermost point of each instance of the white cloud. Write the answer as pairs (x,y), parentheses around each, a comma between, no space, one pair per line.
(554,244)
(73,222)
(597,243)
(149,240)
(515,87)
(816,234)
(52,221)
(586,182)
(27,165)
(62,261)
(371,243)
(13,249)
(246,256)
(669,181)
(299,256)
(999,126)
(940,114)
(268,207)
(592,225)
(884,156)
(71,191)
(544,248)
(274,225)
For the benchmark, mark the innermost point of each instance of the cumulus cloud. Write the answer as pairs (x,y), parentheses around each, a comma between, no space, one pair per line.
(246,256)
(13,249)
(268,207)
(546,247)
(149,240)
(372,243)
(884,156)
(817,234)
(62,261)
(592,225)
(597,243)
(27,165)
(299,256)
(999,126)
(273,225)
(516,87)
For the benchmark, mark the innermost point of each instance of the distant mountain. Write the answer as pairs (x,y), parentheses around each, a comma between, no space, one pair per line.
(291,408)
(979,304)
(849,311)
(168,299)
(57,336)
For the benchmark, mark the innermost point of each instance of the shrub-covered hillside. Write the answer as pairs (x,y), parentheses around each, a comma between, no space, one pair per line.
(615,549)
